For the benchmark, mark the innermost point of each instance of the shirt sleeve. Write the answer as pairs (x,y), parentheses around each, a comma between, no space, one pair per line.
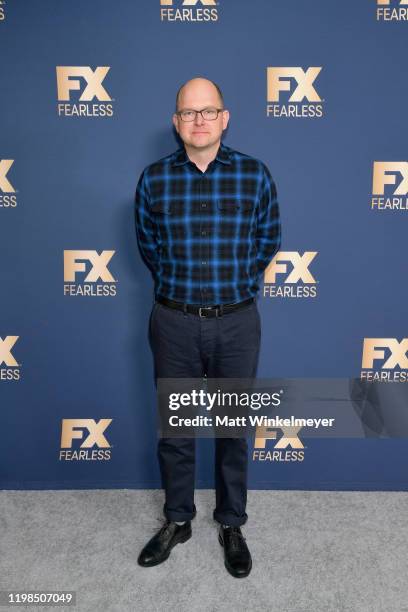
(145,226)
(268,236)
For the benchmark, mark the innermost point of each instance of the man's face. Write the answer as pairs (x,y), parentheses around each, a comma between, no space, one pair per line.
(200,133)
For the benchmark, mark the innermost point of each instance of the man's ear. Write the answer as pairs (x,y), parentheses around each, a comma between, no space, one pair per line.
(175,122)
(225,119)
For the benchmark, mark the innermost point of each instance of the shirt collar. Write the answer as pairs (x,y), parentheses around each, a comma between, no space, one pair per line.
(181,157)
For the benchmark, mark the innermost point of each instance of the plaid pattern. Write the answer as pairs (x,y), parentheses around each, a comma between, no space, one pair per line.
(207,236)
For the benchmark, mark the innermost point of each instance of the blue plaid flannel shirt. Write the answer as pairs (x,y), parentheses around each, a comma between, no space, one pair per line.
(207,236)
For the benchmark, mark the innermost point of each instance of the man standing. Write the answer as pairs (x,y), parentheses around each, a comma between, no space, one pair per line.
(207,222)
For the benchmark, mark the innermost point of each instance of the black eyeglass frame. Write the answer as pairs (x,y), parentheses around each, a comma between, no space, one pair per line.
(219,110)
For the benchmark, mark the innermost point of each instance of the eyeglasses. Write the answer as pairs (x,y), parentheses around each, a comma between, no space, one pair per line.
(209,114)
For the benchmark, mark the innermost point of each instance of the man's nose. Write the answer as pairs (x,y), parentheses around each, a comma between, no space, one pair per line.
(199,119)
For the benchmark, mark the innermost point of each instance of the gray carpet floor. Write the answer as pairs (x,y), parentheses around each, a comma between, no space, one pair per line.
(312,552)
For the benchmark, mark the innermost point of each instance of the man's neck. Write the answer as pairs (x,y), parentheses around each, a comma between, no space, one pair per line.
(202,157)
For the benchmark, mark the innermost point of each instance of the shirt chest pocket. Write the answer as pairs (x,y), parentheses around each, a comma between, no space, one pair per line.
(236,217)
(161,208)
(236,207)
(169,219)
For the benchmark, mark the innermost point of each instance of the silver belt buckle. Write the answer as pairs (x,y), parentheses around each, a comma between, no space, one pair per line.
(203,308)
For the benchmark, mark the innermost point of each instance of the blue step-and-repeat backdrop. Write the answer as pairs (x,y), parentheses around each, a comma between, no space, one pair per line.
(318,91)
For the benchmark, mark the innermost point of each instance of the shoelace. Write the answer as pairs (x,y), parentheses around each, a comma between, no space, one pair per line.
(234,536)
(165,527)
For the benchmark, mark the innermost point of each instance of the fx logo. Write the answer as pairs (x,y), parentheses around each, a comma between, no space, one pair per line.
(373,349)
(380,178)
(289,437)
(300,267)
(99,266)
(5,185)
(73,428)
(189,2)
(278,79)
(93,78)
(5,351)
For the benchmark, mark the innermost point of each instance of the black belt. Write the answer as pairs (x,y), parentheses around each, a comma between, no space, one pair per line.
(203,311)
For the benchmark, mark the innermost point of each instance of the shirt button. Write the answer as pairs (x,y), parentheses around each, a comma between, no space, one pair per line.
(203,262)
(203,233)
(203,205)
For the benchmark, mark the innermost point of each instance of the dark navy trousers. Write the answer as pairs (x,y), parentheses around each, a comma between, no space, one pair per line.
(185,345)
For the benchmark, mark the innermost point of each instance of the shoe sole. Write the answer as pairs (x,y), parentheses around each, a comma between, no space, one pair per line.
(183,539)
(230,571)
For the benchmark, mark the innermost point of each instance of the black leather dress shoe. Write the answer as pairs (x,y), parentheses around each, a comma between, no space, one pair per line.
(159,547)
(236,554)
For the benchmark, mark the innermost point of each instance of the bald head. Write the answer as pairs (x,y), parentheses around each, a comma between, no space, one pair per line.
(202,89)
